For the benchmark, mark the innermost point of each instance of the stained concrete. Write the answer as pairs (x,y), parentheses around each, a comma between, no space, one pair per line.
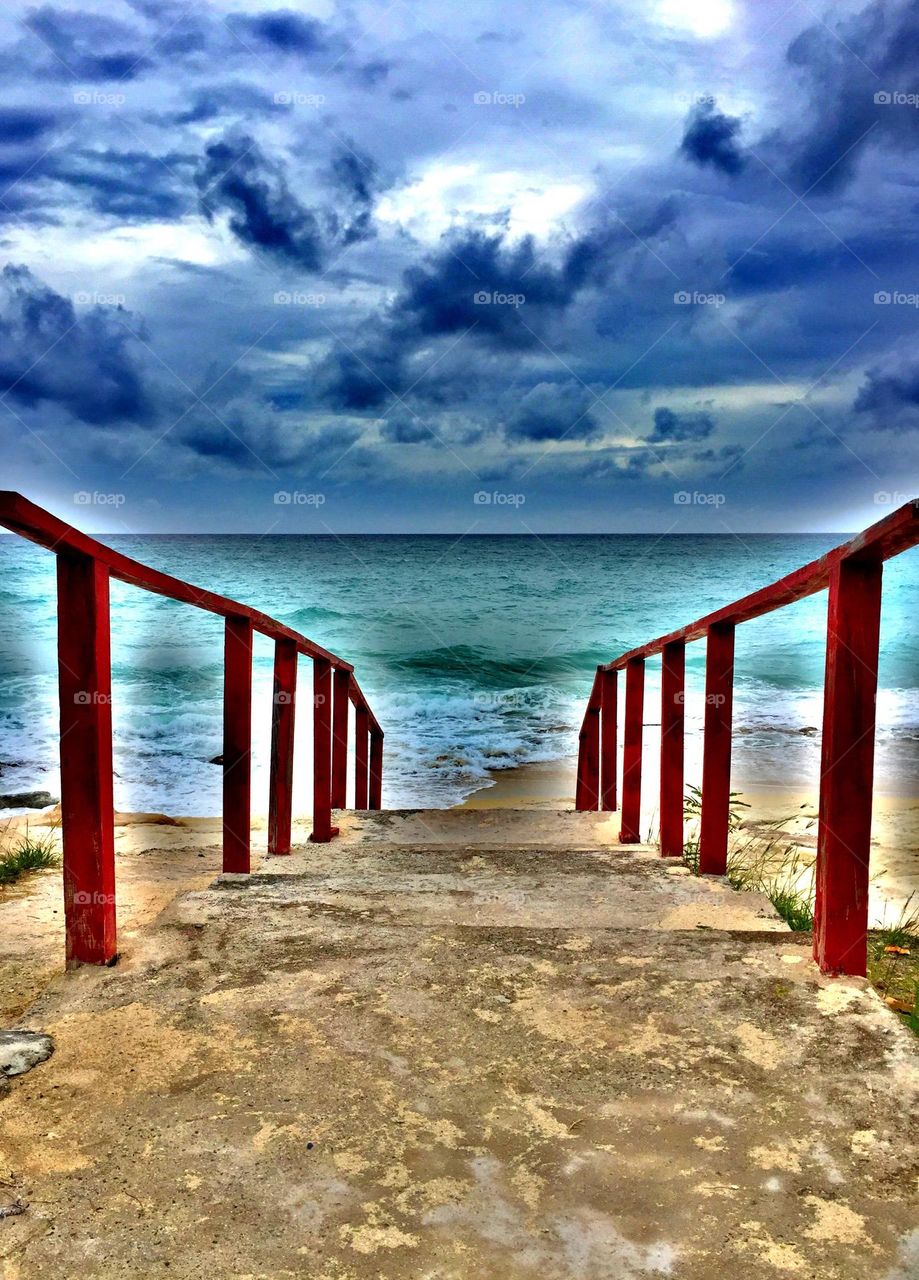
(459,1056)
(21,1050)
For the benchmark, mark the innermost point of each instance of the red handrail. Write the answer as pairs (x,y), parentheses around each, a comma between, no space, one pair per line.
(84,570)
(852,575)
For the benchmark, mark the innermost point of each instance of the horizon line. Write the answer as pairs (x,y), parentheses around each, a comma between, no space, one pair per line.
(425,533)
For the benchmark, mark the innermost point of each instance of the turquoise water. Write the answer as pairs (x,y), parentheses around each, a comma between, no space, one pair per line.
(475,653)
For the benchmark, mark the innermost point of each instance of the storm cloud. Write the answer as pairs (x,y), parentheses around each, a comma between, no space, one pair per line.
(419,249)
(712,138)
(85,361)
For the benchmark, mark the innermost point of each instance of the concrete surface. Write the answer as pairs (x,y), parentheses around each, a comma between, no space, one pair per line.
(463,1055)
(21,1050)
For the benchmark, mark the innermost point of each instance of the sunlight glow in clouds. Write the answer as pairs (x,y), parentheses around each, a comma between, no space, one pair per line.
(446,195)
(704,18)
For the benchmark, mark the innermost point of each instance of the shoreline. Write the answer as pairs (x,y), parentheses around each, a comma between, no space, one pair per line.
(551,785)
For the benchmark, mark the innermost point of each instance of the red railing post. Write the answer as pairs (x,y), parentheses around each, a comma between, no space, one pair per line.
(237,743)
(673,693)
(846,768)
(340,704)
(608,711)
(580,783)
(280,795)
(87,807)
(375,797)
(587,794)
(361,757)
(323,830)
(630,832)
(716,751)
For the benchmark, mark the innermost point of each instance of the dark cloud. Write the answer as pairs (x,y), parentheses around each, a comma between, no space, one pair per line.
(84,361)
(728,455)
(131,186)
(363,380)
(402,428)
(81,45)
(355,178)
(374,72)
(669,425)
(890,394)
(217,101)
(501,287)
(264,212)
(485,284)
(554,411)
(712,138)
(209,438)
(787,262)
(285,31)
(853,67)
(25,124)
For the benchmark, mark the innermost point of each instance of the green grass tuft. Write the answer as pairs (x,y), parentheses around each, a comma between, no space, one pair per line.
(795,907)
(28,854)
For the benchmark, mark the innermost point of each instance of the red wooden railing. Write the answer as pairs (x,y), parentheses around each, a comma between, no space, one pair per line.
(84,570)
(852,574)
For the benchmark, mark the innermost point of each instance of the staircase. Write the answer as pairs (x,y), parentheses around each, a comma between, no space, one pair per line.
(465,1043)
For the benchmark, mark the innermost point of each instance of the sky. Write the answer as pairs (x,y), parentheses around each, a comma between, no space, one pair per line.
(431,267)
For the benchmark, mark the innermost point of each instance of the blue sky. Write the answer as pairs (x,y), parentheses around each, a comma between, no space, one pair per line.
(468,268)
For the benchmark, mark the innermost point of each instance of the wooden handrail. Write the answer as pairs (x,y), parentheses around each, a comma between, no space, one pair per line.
(85,567)
(852,575)
(897,532)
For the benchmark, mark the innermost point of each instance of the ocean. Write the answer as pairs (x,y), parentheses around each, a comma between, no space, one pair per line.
(476,654)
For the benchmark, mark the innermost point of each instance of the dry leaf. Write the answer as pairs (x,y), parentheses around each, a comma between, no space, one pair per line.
(901,1006)
(897,951)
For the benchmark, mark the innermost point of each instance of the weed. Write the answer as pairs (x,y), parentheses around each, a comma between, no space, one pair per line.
(795,908)
(27,854)
(895,974)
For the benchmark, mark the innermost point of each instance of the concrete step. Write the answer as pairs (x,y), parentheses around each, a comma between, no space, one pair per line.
(294,1078)
(538,827)
(474,884)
